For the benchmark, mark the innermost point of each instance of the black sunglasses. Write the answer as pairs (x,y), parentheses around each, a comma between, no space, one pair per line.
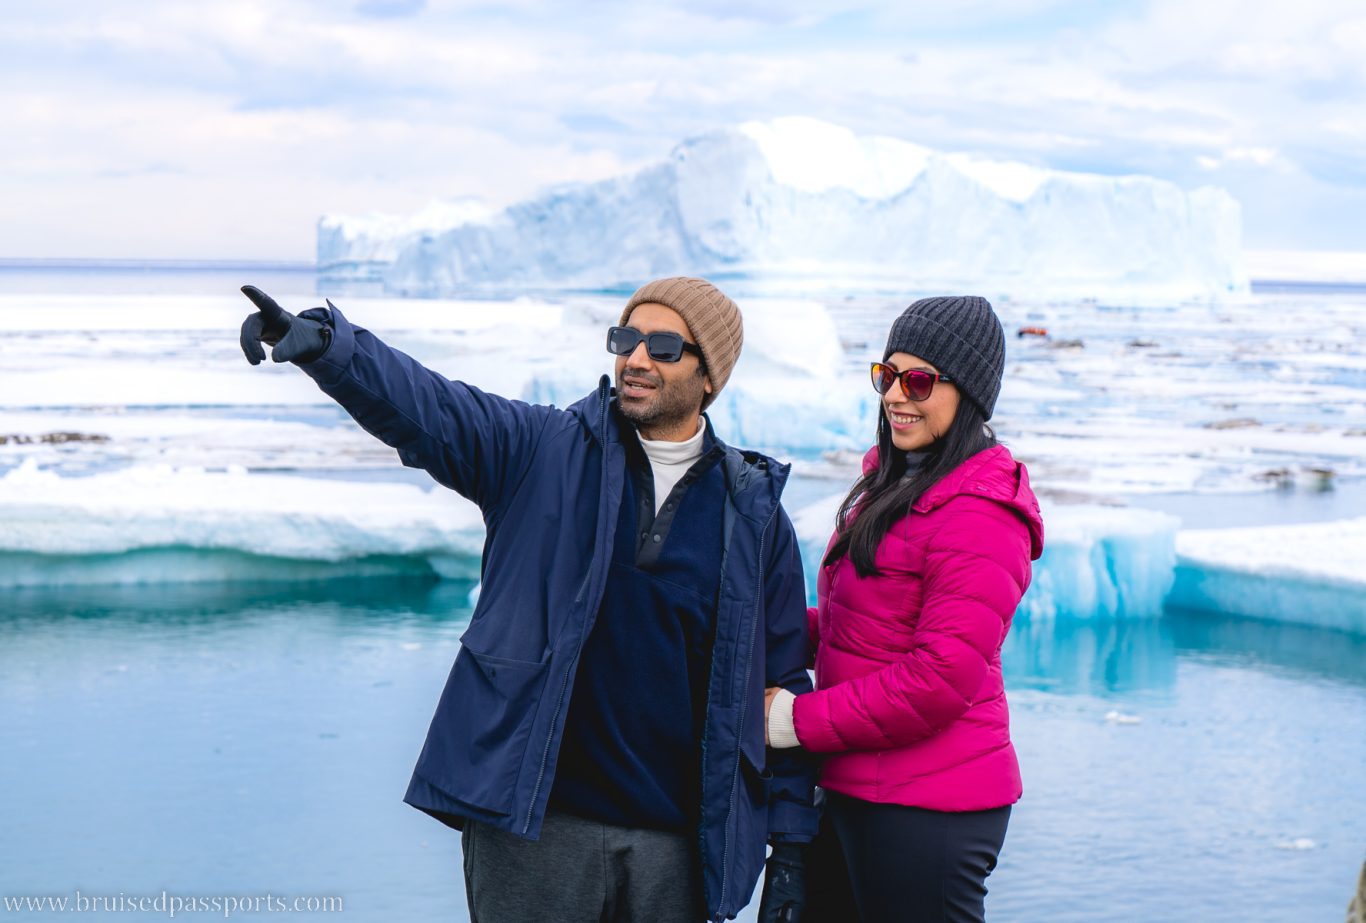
(916,384)
(662,346)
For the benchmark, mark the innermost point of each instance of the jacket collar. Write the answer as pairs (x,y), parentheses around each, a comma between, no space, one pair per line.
(992,474)
(755,481)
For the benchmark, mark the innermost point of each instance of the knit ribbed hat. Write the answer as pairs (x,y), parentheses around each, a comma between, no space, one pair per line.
(959,335)
(713,319)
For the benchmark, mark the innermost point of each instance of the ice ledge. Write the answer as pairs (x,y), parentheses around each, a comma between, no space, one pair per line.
(1098,561)
(1311,574)
(1111,562)
(1102,562)
(185,525)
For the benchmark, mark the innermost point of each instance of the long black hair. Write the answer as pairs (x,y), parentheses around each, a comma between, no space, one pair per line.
(886,494)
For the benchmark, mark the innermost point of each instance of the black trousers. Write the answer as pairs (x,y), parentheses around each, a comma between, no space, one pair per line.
(896,863)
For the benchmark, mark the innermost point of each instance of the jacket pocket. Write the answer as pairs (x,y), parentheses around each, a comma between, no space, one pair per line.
(478,739)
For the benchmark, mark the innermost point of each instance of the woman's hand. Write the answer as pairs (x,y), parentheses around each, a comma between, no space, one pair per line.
(769,695)
(779,731)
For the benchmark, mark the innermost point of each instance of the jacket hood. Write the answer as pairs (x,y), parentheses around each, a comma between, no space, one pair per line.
(592,409)
(992,474)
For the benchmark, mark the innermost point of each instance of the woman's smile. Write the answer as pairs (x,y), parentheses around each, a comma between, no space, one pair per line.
(902,421)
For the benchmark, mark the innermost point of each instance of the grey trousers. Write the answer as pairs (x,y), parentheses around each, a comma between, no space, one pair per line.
(581,871)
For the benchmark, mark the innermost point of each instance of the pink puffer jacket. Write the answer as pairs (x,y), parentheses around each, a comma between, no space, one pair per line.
(909,700)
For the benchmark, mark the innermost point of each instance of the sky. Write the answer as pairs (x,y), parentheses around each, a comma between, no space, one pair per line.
(223,130)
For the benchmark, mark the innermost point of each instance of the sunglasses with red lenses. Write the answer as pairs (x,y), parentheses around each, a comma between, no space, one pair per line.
(916,384)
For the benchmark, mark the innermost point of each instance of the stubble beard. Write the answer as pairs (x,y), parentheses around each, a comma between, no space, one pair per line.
(673,404)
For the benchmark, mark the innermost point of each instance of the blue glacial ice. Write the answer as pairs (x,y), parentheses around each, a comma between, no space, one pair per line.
(796,204)
(158,524)
(1313,574)
(1098,562)
(1102,562)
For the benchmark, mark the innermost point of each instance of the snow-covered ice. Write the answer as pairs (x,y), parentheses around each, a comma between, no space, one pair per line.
(116,409)
(164,524)
(1312,574)
(795,204)
(169,525)
(361,247)
(1116,401)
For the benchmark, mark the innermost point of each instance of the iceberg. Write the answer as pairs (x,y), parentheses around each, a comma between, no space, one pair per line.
(1098,562)
(1102,562)
(187,525)
(789,393)
(362,247)
(154,524)
(795,205)
(1118,563)
(160,524)
(1312,574)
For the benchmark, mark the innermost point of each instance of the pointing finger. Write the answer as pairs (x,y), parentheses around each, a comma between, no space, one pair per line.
(271,311)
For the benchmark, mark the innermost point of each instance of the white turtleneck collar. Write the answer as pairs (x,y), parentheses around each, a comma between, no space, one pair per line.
(671,460)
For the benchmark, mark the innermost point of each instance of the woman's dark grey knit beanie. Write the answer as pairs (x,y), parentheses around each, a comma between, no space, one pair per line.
(961,336)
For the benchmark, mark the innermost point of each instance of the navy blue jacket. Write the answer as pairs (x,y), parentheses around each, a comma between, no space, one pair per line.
(549,483)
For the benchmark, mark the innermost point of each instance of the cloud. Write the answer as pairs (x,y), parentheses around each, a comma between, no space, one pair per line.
(305,107)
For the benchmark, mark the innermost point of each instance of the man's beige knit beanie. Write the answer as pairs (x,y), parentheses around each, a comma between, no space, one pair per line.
(712,317)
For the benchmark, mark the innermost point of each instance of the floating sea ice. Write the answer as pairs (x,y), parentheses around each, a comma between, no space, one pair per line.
(1299,843)
(1310,573)
(1119,717)
(1102,561)
(156,525)
(1097,561)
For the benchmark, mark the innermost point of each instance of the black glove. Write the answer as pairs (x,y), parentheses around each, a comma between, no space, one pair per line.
(296,339)
(784,885)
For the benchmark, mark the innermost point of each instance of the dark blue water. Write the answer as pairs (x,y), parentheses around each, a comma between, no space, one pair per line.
(243,740)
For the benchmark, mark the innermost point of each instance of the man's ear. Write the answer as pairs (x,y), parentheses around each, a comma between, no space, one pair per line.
(706,384)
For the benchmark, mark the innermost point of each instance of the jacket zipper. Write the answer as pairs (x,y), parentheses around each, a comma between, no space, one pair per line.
(740,725)
(583,591)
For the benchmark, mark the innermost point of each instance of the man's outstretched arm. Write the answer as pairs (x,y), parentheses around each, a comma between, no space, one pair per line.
(473,442)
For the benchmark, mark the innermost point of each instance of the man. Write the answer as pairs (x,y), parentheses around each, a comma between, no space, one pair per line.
(600,738)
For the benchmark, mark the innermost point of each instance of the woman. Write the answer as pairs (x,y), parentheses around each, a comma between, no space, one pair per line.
(930,556)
